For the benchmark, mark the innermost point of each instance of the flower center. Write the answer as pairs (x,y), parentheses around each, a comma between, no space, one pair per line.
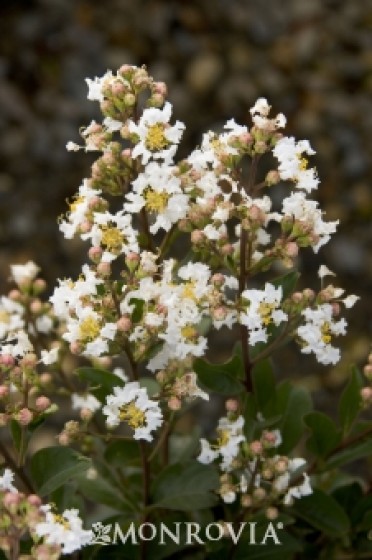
(89,329)
(326,333)
(155,138)
(75,203)
(223,437)
(112,238)
(189,291)
(189,332)
(155,201)
(265,310)
(61,520)
(303,163)
(134,416)
(4,317)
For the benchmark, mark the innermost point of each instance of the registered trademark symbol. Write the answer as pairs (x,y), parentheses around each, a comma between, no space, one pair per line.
(280,525)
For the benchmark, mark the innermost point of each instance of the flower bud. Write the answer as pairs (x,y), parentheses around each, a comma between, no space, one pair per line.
(174,403)
(368,371)
(232,405)
(95,254)
(42,403)
(4,391)
(104,269)
(124,324)
(34,500)
(272,513)
(197,236)
(246,501)
(7,360)
(256,447)
(366,394)
(25,416)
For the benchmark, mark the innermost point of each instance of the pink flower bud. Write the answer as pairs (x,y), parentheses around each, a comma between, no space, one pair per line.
(161,88)
(336,309)
(227,249)
(34,500)
(42,403)
(291,249)
(76,348)
(174,403)
(245,138)
(366,394)
(15,295)
(118,88)
(63,439)
(219,313)
(36,306)
(272,513)
(39,285)
(218,279)
(45,378)
(297,297)
(12,500)
(124,324)
(232,405)
(7,360)
(126,154)
(309,294)
(256,447)
(24,416)
(29,361)
(85,226)
(104,269)
(197,236)
(4,391)
(86,414)
(95,254)
(368,371)
(129,99)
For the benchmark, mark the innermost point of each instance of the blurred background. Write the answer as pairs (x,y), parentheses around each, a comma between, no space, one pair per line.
(312,59)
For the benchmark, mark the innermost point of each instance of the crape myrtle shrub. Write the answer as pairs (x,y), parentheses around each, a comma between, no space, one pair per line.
(138,319)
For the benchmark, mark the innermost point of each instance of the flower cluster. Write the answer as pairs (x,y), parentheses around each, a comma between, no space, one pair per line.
(52,534)
(253,470)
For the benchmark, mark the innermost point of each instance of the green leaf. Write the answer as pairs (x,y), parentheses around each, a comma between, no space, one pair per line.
(324,434)
(219,378)
(349,406)
(52,467)
(350,454)
(151,385)
(288,282)
(102,382)
(186,487)
(16,431)
(323,512)
(121,453)
(295,403)
(138,309)
(100,492)
(264,387)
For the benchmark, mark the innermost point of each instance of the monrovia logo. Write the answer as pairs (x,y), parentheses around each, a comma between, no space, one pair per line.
(188,533)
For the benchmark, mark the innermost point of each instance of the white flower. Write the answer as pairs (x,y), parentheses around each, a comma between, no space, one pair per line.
(131,404)
(350,300)
(6,481)
(72,147)
(87,329)
(114,233)
(263,309)
(156,138)
(23,273)
(317,333)
(230,435)
(293,164)
(85,401)
(49,357)
(260,112)
(307,212)
(159,191)
(95,86)
(303,489)
(78,210)
(324,271)
(64,530)
(11,316)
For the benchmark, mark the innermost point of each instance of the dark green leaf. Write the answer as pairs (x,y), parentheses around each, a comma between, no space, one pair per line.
(121,453)
(264,387)
(16,431)
(323,512)
(288,282)
(295,403)
(151,385)
(324,434)
(350,400)
(186,487)
(52,467)
(101,381)
(350,454)
(219,378)
(100,492)
(138,309)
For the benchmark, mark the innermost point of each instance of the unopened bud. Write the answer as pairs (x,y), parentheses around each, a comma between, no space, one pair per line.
(124,324)
(95,254)
(174,403)
(232,405)
(25,416)
(42,403)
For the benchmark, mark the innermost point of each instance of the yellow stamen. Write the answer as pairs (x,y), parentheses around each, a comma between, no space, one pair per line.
(89,329)
(134,416)
(265,310)
(189,332)
(75,203)
(223,437)
(61,520)
(155,201)
(189,291)
(4,317)
(156,139)
(112,238)
(303,163)
(326,333)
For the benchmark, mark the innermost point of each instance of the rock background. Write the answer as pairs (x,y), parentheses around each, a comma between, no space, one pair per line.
(311,59)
